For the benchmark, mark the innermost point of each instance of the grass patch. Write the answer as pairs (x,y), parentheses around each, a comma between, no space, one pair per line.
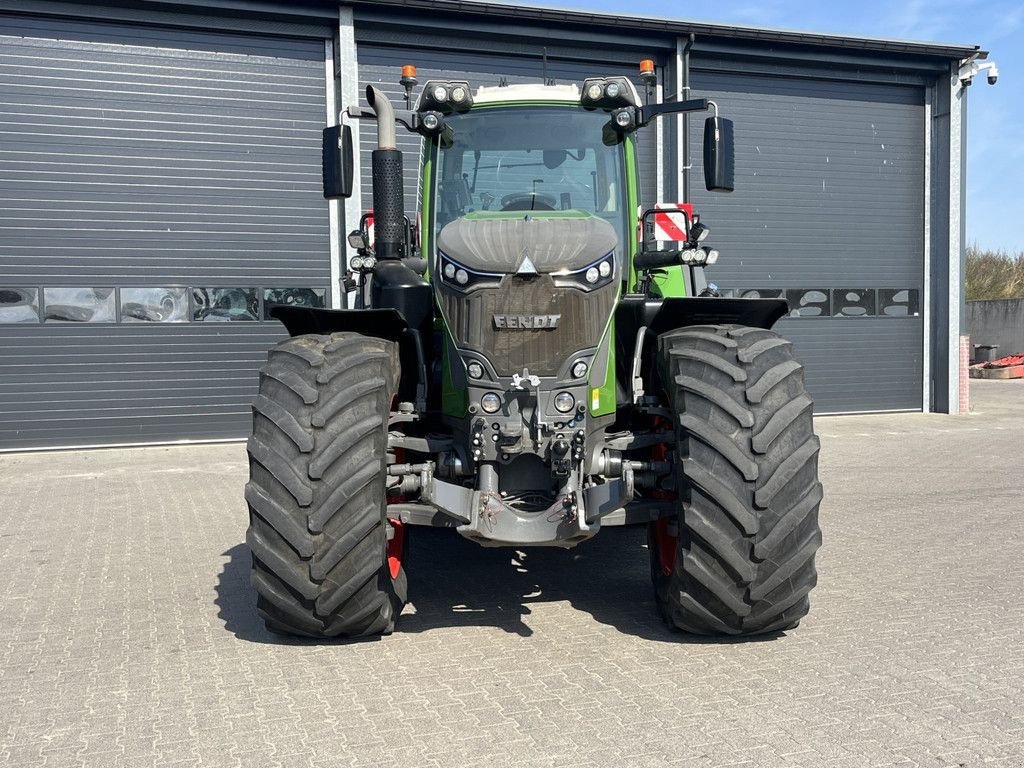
(994,274)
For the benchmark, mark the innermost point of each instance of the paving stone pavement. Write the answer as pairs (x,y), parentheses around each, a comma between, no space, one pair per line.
(128,635)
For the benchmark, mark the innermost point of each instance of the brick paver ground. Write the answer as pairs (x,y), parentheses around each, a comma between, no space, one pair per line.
(128,635)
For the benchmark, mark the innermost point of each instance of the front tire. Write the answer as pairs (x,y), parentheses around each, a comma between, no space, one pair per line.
(738,558)
(322,564)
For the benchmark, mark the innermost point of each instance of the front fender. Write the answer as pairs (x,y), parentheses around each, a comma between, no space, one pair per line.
(387,324)
(661,315)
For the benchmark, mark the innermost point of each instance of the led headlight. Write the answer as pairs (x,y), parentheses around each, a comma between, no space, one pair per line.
(490,403)
(612,90)
(431,121)
(356,262)
(476,371)
(564,402)
(595,275)
(594,91)
(711,256)
(453,273)
(459,94)
(579,369)
(440,93)
(623,119)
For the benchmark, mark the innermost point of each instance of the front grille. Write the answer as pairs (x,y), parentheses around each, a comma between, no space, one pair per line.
(583,319)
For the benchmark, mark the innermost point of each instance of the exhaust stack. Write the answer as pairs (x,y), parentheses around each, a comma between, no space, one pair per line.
(388,187)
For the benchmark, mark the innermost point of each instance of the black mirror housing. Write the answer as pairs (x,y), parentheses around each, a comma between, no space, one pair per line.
(338,162)
(719,155)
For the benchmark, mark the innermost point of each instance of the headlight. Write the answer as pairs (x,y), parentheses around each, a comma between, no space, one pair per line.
(459,94)
(490,403)
(595,275)
(476,371)
(613,90)
(431,121)
(711,256)
(456,275)
(579,369)
(594,91)
(564,402)
(623,119)
(440,93)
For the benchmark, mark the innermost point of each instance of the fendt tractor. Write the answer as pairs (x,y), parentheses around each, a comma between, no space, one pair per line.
(529,360)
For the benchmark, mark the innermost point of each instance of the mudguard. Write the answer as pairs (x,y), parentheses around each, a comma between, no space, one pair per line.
(660,315)
(383,323)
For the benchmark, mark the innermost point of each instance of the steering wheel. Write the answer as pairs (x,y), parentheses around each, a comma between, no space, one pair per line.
(528,201)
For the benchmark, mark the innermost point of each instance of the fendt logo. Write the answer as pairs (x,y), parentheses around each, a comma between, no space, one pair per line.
(525,322)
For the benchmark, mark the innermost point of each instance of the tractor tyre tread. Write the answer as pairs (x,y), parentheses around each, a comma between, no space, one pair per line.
(747,461)
(316,493)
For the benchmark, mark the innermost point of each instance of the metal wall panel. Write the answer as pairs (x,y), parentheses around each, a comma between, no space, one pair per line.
(829,195)
(138,156)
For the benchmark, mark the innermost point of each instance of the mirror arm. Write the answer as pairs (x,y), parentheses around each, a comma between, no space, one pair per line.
(652,111)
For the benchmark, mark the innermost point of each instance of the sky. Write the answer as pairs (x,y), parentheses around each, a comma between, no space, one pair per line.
(995,114)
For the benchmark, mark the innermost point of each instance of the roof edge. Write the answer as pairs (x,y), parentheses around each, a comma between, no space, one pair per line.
(529,11)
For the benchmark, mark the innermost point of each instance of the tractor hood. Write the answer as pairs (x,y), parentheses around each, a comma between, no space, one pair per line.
(553,241)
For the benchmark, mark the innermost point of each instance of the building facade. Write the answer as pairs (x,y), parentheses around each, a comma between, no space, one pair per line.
(160,176)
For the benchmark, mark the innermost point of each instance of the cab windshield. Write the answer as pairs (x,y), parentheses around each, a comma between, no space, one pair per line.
(531,160)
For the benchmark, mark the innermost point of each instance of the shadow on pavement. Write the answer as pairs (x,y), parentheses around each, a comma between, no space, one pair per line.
(456,583)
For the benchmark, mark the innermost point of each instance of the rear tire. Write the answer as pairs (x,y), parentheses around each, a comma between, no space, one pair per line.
(318,466)
(738,559)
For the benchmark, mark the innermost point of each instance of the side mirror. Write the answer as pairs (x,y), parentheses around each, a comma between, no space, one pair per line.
(719,155)
(337,162)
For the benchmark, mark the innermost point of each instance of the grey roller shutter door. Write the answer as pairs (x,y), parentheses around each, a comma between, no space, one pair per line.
(829,195)
(381,66)
(140,157)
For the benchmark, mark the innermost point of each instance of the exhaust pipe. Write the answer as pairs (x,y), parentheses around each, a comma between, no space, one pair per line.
(388,188)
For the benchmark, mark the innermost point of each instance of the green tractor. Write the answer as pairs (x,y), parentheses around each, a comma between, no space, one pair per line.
(529,364)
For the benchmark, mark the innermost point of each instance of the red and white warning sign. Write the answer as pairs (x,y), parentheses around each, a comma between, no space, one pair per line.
(671,222)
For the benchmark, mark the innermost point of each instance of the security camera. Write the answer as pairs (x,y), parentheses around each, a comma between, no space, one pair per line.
(975,67)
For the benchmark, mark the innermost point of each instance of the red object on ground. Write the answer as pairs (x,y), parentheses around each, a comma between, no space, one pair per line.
(1005,362)
(1009,367)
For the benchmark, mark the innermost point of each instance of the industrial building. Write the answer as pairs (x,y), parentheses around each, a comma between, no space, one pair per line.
(160,185)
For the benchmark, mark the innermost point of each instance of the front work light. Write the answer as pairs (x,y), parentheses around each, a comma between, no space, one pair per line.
(445,96)
(490,403)
(608,93)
